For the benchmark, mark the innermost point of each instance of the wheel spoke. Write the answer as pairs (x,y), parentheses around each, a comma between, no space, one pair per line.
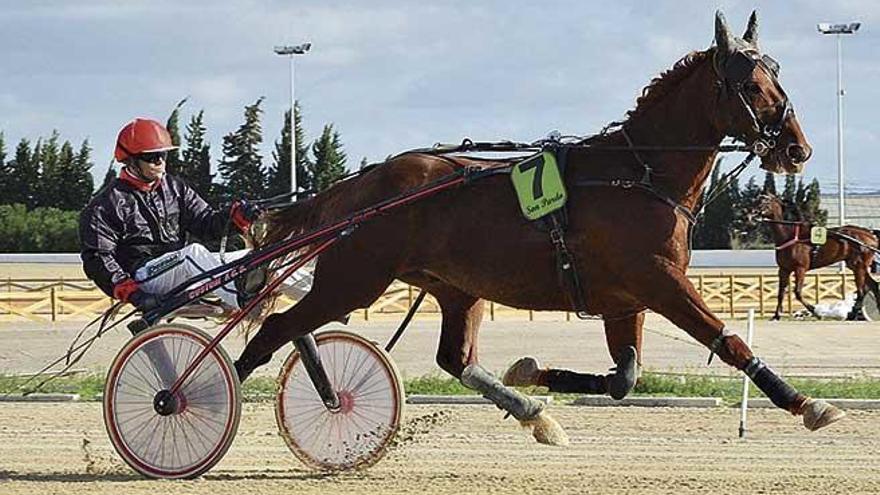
(369,391)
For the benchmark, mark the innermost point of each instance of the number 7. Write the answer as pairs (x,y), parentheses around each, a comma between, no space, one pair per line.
(537,182)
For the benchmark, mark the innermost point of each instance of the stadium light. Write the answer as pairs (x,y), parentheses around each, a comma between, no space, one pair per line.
(837,30)
(289,51)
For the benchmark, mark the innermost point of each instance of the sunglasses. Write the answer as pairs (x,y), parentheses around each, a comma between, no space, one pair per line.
(153,158)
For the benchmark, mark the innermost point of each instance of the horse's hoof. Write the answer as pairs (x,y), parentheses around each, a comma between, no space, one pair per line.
(627,373)
(522,373)
(818,413)
(546,430)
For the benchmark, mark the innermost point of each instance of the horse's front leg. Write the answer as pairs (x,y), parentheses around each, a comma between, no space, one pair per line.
(671,294)
(457,355)
(784,275)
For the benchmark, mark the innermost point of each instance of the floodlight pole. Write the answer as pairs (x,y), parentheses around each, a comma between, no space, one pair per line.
(837,30)
(290,51)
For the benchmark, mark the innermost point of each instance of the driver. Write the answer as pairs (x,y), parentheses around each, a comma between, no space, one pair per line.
(133,232)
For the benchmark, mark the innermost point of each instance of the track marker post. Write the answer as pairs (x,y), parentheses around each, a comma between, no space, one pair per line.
(744,406)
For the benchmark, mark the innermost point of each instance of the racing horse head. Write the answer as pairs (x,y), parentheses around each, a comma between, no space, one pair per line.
(754,107)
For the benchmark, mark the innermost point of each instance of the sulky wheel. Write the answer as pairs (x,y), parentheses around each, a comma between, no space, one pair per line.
(370,393)
(171,436)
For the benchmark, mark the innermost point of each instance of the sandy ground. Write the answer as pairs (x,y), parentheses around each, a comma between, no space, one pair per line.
(62,448)
(804,348)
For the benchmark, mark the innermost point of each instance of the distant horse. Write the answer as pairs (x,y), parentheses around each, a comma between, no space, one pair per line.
(630,196)
(796,254)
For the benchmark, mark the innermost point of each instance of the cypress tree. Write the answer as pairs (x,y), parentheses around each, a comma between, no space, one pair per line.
(329,158)
(789,198)
(196,162)
(66,183)
(747,226)
(714,229)
(242,165)
(110,176)
(51,173)
(769,184)
(24,176)
(280,172)
(173,126)
(4,172)
(812,203)
(80,183)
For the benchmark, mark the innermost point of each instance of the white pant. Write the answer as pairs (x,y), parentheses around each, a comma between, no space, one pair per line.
(166,272)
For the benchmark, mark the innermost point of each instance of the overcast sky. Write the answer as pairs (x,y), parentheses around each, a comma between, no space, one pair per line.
(395,74)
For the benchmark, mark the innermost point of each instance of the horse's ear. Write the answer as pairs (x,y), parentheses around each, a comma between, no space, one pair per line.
(724,40)
(751,34)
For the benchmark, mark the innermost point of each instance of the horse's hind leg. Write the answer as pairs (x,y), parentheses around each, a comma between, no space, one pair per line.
(672,295)
(457,355)
(332,296)
(624,337)
(860,273)
(799,275)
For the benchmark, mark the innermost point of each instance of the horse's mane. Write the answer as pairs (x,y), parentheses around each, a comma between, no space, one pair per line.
(662,85)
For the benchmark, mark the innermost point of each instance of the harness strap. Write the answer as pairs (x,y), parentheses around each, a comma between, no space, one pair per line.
(565,266)
(791,242)
(631,184)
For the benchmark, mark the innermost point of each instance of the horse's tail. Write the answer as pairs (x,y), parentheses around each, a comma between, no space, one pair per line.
(276,226)
(287,221)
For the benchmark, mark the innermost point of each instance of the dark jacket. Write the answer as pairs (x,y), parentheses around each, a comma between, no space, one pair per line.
(122,227)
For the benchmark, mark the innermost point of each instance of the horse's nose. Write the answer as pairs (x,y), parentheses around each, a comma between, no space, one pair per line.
(798,153)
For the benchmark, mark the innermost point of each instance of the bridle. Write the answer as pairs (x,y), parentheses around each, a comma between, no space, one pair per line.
(733,76)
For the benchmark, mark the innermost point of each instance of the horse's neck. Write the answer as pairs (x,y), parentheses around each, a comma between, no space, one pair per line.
(781,232)
(683,117)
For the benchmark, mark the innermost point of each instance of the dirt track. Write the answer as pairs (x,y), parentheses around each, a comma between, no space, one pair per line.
(62,448)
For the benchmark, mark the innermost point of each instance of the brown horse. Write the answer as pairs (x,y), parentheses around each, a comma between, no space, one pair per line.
(795,253)
(629,238)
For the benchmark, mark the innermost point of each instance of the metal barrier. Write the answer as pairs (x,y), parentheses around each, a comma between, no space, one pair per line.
(730,295)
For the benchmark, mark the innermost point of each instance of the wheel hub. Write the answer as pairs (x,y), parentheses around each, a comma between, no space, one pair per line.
(346,402)
(165,403)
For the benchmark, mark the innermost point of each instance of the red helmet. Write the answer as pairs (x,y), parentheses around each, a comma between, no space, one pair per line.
(142,136)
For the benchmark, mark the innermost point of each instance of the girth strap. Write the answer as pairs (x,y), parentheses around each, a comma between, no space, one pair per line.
(565,265)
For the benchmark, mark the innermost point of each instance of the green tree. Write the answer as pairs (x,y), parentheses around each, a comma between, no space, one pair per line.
(242,165)
(196,162)
(173,126)
(4,171)
(52,181)
(110,176)
(789,198)
(280,173)
(80,183)
(769,184)
(811,205)
(38,230)
(329,163)
(748,229)
(714,228)
(24,176)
